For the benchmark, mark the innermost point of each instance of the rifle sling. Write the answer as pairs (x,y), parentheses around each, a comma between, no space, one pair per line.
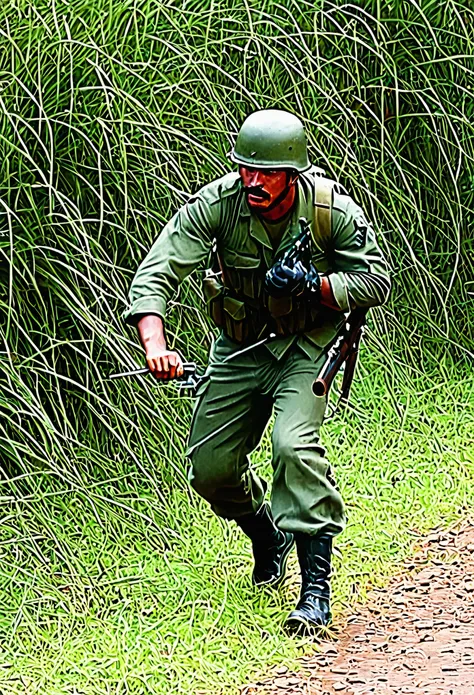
(349,370)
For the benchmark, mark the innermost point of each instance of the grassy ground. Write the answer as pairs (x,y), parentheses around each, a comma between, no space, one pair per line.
(114,579)
(142,608)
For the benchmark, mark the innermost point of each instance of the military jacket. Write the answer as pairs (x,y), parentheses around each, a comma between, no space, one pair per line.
(219,215)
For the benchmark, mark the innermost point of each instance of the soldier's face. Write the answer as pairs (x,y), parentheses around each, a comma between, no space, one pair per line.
(265,187)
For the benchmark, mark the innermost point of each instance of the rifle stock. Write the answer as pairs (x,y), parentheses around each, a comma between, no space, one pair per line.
(345,349)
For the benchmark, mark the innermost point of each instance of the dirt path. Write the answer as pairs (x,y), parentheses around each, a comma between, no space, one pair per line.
(415,636)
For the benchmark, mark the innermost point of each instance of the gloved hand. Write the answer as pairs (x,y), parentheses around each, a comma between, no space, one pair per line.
(283,280)
(313,284)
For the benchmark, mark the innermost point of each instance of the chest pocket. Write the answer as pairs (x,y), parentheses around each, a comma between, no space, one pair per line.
(243,275)
(238,260)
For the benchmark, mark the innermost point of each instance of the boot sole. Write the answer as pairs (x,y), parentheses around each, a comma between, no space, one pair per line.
(274,583)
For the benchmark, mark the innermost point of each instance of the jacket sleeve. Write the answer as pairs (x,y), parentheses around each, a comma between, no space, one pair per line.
(184,242)
(359,276)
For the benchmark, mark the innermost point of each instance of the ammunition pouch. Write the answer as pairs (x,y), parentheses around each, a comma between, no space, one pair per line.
(236,323)
(227,312)
(246,313)
(279,306)
(213,290)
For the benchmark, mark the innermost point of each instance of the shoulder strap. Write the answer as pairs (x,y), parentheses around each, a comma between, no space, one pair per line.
(323,201)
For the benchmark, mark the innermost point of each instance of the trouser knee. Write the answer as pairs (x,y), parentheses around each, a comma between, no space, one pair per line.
(231,488)
(208,473)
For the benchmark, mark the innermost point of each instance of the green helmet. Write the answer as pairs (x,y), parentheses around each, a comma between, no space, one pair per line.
(272,139)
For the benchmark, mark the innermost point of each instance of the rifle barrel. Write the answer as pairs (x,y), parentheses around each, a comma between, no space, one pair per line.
(320,387)
(344,350)
(322,383)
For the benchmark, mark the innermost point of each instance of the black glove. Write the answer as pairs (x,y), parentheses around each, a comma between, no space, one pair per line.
(283,280)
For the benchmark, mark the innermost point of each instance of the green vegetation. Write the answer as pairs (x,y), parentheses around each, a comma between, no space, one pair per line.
(114,577)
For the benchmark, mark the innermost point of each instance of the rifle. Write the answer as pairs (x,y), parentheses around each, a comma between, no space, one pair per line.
(345,350)
(300,250)
(296,257)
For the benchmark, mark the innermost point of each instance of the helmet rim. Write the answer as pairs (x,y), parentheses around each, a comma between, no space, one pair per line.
(234,157)
(272,139)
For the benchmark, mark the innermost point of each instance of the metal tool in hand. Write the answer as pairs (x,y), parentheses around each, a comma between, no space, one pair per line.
(190,380)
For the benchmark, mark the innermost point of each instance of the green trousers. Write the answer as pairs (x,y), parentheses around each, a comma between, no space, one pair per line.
(234,405)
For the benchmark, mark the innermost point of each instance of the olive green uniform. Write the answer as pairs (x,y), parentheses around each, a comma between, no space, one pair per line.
(236,400)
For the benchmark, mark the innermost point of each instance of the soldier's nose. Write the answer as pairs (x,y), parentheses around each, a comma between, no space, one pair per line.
(257,180)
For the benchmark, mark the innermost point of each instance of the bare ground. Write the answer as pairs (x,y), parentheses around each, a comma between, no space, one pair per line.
(414,636)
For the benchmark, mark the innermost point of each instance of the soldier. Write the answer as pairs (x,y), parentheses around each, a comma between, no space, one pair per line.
(250,218)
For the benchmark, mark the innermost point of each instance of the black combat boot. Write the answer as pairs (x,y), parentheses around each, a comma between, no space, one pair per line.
(313,609)
(270,546)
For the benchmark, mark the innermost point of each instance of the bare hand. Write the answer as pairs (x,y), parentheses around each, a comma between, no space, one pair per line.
(164,364)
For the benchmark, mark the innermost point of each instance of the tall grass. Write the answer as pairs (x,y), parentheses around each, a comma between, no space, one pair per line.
(111,114)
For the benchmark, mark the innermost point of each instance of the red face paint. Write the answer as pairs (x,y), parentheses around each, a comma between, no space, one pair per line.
(269,192)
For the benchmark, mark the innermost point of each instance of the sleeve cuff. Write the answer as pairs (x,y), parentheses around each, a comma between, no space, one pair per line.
(339,290)
(142,307)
